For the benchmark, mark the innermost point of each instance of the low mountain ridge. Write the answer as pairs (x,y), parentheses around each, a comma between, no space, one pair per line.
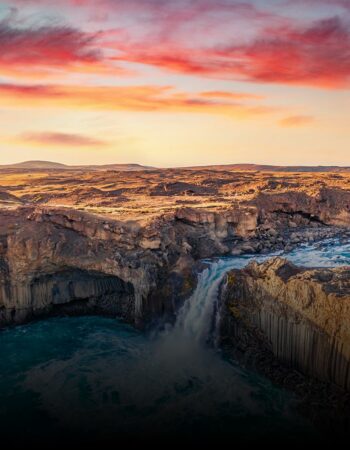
(271,168)
(48,165)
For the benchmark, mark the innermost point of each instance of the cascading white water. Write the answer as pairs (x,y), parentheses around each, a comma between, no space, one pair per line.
(196,319)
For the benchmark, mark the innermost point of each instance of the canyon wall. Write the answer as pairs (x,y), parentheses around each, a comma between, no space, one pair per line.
(153,263)
(300,315)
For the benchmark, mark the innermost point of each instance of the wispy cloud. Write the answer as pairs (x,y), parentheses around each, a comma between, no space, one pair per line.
(316,54)
(296,121)
(345,4)
(28,49)
(45,44)
(130,98)
(231,95)
(60,139)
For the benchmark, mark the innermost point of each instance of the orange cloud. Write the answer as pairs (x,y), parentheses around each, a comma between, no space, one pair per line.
(296,121)
(231,95)
(131,98)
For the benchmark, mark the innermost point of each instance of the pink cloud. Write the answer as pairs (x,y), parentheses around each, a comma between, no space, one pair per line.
(222,39)
(61,139)
(45,45)
(317,54)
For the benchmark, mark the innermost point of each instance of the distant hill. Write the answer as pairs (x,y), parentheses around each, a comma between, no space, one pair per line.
(271,168)
(48,165)
(35,165)
(126,167)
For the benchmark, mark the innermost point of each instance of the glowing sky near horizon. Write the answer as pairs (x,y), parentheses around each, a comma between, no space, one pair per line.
(175,83)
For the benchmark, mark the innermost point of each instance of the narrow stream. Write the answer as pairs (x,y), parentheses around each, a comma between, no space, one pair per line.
(98,377)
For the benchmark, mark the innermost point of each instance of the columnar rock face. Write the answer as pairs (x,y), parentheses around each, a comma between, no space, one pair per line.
(302,316)
(72,291)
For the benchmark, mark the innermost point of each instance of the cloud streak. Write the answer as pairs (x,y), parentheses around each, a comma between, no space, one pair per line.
(55,44)
(60,139)
(146,98)
(31,49)
(296,121)
(316,54)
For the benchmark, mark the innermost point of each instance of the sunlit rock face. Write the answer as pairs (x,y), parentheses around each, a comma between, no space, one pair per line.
(239,221)
(328,206)
(301,315)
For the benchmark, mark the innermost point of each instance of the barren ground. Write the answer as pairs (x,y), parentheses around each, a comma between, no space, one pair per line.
(143,195)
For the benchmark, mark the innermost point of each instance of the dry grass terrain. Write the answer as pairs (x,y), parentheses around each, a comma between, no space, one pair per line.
(142,195)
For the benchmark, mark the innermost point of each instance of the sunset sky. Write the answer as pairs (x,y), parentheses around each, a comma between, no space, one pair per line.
(175,83)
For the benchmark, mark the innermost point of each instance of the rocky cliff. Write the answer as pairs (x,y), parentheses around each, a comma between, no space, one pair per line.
(52,256)
(301,316)
(325,205)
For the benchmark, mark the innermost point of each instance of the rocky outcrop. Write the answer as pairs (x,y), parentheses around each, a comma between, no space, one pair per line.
(300,315)
(215,233)
(327,206)
(7,198)
(239,221)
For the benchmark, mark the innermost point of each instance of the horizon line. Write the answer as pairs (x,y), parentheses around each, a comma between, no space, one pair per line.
(65,165)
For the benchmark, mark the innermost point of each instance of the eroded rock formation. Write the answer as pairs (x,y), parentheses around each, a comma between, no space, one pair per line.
(328,206)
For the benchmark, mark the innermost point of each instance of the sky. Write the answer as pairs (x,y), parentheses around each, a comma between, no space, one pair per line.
(175,83)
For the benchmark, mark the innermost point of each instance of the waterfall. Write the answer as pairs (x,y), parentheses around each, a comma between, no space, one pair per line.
(197,320)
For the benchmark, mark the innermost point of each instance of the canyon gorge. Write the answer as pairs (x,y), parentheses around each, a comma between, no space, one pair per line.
(129,245)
